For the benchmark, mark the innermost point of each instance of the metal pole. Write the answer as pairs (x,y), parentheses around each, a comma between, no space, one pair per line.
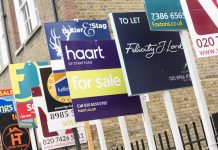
(201,101)
(101,135)
(76,138)
(172,120)
(147,125)
(124,133)
(54,10)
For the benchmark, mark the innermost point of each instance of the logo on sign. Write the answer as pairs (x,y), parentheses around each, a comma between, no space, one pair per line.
(88,29)
(15,138)
(81,54)
(53,93)
(153,49)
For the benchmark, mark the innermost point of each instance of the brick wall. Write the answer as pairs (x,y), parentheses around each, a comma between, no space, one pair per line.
(184,100)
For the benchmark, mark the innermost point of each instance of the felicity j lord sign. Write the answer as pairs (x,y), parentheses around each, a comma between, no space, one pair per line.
(151,60)
(96,81)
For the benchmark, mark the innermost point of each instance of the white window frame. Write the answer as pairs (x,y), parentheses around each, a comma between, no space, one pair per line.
(34,18)
(4,50)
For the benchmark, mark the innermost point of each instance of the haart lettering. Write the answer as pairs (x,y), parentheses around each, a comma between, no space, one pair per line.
(84,54)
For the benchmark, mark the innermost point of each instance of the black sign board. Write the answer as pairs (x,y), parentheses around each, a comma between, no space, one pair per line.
(13,137)
(151,60)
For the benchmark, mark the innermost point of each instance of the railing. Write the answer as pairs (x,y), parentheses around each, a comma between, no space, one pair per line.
(192,141)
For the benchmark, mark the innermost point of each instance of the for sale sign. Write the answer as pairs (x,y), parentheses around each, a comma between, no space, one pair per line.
(23,77)
(55,139)
(12,136)
(59,108)
(96,81)
(6,101)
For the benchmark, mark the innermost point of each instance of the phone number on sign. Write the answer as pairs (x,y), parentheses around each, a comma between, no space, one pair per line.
(60,115)
(172,15)
(66,138)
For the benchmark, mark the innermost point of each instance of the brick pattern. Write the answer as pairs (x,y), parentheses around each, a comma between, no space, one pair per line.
(184,100)
(12,23)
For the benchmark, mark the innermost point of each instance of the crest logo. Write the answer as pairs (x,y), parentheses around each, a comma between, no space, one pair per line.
(14,137)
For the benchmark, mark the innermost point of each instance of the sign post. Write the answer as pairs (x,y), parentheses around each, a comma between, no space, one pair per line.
(124,133)
(33,139)
(101,135)
(89,135)
(147,125)
(138,46)
(163,16)
(201,101)
(172,120)
(76,138)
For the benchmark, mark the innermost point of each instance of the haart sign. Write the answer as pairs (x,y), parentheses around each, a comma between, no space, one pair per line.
(96,81)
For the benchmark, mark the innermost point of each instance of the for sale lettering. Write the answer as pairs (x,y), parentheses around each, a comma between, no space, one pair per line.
(6,92)
(108,81)
(30,107)
(98,82)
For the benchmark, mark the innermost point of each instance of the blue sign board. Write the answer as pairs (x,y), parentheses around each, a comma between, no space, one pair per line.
(7,104)
(68,31)
(72,30)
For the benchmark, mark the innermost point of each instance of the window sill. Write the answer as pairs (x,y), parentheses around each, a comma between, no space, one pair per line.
(27,40)
(4,69)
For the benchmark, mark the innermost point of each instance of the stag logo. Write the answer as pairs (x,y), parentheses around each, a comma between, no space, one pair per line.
(14,137)
(55,43)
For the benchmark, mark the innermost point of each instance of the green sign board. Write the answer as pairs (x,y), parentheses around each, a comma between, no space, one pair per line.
(165,15)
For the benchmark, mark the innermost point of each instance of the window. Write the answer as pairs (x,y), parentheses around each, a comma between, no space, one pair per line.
(27,18)
(4,54)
